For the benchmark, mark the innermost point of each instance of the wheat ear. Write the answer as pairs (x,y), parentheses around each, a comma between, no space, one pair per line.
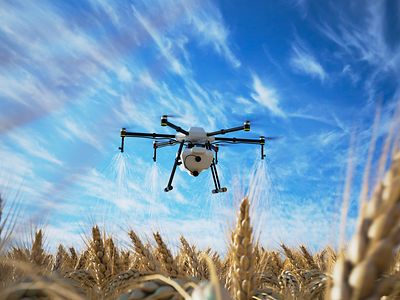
(167,259)
(190,262)
(97,255)
(241,272)
(147,259)
(371,249)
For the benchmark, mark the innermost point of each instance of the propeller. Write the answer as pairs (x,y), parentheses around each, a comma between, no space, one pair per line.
(255,120)
(173,116)
(272,138)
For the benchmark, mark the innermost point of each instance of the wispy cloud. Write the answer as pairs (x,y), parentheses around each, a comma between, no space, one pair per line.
(33,145)
(303,61)
(202,23)
(65,233)
(244,105)
(210,26)
(349,72)
(51,68)
(18,174)
(364,40)
(194,104)
(73,129)
(266,96)
(162,42)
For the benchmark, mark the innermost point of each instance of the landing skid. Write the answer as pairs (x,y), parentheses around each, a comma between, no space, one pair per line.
(221,190)
(176,163)
(217,184)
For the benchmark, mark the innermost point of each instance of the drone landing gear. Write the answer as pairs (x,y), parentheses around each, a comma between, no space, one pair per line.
(176,163)
(218,188)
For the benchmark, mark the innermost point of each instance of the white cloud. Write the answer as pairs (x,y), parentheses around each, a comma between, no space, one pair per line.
(302,6)
(328,137)
(244,105)
(266,96)
(33,145)
(209,25)
(66,233)
(172,25)
(122,188)
(18,175)
(14,169)
(303,61)
(348,71)
(74,129)
(124,75)
(51,67)
(162,43)
(364,40)
(111,12)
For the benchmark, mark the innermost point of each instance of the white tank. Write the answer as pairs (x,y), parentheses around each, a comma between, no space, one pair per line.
(196,159)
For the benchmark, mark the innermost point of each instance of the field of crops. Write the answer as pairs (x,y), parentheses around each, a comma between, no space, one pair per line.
(369,268)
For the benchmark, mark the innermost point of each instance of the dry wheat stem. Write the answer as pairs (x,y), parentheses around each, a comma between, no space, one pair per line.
(167,259)
(241,272)
(146,257)
(371,248)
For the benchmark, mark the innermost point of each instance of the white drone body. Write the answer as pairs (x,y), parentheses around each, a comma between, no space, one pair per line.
(196,157)
(197,150)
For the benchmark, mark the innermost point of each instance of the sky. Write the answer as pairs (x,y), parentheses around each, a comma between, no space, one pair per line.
(72,73)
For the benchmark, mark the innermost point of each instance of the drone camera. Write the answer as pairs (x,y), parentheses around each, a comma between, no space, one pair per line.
(246,126)
(195,173)
(164,120)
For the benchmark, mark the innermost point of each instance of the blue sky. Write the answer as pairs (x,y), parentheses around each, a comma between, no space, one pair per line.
(72,73)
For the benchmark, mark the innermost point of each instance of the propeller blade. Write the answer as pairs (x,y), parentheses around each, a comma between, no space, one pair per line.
(171,116)
(255,120)
(272,138)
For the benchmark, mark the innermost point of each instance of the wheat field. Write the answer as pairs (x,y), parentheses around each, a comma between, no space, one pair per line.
(369,267)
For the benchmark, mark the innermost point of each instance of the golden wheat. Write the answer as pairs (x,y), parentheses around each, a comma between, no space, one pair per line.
(371,250)
(368,269)
(242,256)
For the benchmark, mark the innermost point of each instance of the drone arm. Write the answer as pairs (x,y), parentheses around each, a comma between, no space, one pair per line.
(125,133)
(165,122)
(157,145)
(260,141)
(165,144)
(245,127)
(238,140)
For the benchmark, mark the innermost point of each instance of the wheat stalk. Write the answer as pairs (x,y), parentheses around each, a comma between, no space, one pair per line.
(310,262)
(190,262)
(241,250)
(146,257)
(98,258)
(371,249)
(167,260)
(37,252)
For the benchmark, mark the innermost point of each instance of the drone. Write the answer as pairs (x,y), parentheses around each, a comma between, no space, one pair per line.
(198,149)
